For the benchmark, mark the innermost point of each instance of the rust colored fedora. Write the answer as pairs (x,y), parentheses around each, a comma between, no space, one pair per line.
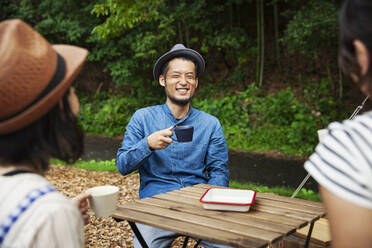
(34,74)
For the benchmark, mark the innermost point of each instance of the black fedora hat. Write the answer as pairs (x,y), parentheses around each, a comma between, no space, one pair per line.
(178,50)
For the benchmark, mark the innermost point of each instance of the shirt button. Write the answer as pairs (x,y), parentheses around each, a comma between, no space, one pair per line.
(174,146)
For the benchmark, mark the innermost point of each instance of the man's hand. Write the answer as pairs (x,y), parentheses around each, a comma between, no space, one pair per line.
(82,202)
(160,139)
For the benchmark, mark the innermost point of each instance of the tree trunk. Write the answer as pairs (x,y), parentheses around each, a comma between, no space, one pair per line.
(231,15)
(262,41)
(329,73)
(258,20)
(340,87)
(186,33)
(276,28)
(180,33)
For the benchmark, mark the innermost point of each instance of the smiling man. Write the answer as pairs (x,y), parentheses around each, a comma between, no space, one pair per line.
(150,147)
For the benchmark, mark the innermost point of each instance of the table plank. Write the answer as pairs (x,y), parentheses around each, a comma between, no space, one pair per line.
(203,187)
(258,205)
(271,196)
(297,205)
(197,194)
(182,217)
(289,206)
(270,218)
(233,217)
(287,213)
(275,215)
(125,212)
(262,215)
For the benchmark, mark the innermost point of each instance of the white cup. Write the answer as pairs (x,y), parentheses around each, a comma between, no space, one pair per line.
(322,133)
(103,200)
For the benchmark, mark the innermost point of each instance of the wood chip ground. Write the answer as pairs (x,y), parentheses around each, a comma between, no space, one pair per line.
(101,232)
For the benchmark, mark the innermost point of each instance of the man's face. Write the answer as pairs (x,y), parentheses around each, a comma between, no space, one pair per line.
(180,82)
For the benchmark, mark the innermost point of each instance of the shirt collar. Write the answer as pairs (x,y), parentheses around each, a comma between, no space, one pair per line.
(174,120)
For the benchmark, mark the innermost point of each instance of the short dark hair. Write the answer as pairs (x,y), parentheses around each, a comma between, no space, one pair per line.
(165,67)
(355,23)
(57,134)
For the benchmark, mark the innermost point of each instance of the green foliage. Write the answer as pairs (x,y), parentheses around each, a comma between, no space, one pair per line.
(127,37)
(250,119)
(64,21)
(108,115)
(312,28)
(123,14)
(8,9)
(134,34)
(253,121)
(284,191)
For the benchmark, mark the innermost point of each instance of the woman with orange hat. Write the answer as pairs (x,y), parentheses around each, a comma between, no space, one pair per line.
(38,109)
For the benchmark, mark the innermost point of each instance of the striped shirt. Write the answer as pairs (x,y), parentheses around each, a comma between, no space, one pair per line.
(342,162)
(51,221)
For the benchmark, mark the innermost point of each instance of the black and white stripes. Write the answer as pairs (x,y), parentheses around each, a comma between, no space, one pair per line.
(342,163)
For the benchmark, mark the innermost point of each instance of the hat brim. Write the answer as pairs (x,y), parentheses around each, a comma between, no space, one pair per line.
(74,59)
(178,53)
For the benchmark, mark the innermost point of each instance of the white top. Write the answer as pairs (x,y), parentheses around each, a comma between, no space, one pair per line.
(342,162)
(51,221)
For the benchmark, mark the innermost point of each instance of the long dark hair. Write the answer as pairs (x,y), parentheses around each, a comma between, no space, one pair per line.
(355,24)
(57,134)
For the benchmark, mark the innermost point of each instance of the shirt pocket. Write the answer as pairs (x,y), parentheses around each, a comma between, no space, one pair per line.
(193,155)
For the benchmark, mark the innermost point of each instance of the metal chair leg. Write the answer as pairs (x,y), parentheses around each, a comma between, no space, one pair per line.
(197,243)
(309,235)
(138,234)
(185,241)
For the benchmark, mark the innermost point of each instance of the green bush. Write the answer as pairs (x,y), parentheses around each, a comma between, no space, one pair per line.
(250,119)
(107,116)
(253,121)
(312,28)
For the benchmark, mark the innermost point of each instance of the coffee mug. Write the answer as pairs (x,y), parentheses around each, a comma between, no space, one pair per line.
(184,133)
(103,200)
(322,133)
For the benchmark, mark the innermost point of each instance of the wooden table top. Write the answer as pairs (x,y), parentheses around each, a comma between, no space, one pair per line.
(270,218)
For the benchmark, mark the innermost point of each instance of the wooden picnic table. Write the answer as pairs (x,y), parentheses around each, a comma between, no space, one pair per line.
(270,218)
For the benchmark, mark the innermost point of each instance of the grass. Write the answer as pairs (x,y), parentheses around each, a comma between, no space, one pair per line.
(91,165)
(110,165)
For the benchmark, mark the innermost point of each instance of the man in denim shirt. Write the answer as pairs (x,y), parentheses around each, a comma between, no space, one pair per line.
(150,145)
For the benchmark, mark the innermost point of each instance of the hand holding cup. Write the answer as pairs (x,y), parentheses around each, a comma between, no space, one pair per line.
(81,201)
(160,139)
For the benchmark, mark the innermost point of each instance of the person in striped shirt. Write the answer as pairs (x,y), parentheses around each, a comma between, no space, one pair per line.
(38,109)
(342,162)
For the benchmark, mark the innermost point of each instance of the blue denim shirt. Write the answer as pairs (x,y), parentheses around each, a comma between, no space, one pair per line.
(204,160)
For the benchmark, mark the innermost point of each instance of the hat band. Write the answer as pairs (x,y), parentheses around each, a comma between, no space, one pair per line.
(57,78)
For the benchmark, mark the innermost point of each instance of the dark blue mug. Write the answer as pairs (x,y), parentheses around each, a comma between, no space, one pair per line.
(184,133)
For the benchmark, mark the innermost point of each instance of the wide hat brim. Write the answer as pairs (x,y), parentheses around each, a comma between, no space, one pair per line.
(74,58)
(178,50)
